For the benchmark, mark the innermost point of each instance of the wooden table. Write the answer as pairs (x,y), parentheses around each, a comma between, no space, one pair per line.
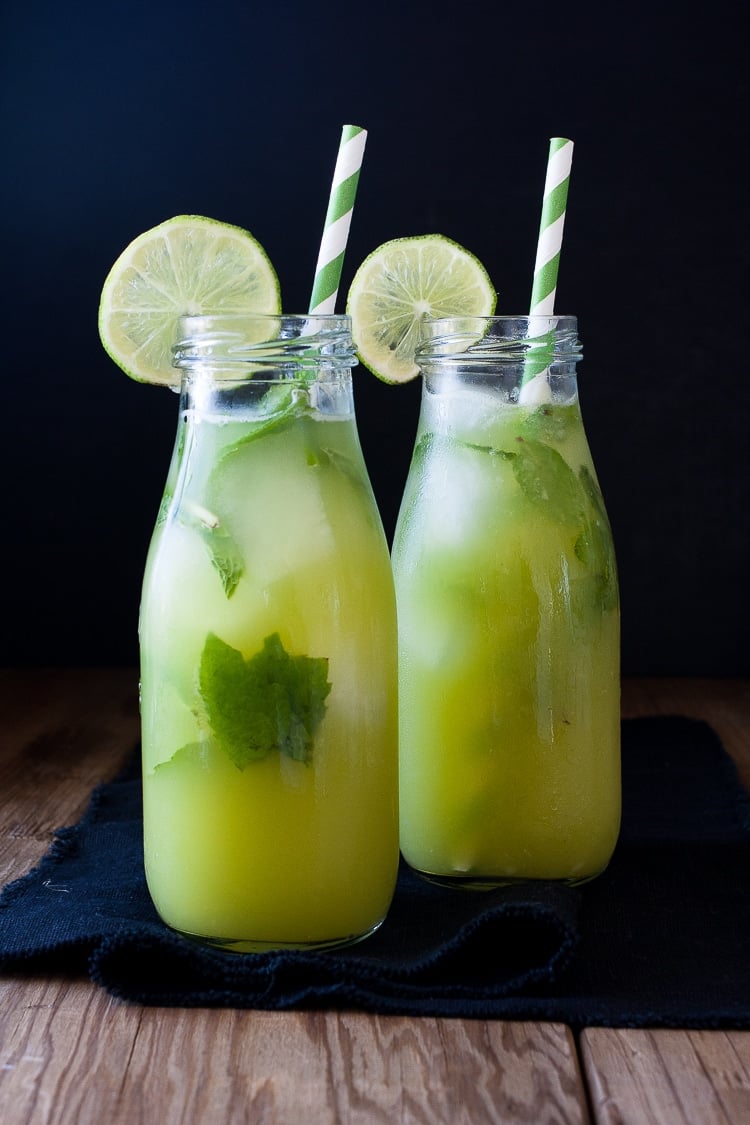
(70,1053)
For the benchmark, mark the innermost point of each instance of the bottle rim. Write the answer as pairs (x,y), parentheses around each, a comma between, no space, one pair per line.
(493,339)
(244,341)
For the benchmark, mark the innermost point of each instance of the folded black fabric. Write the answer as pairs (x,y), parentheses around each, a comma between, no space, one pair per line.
(87,903)
(660,939)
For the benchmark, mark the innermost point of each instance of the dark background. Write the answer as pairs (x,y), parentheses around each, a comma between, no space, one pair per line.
(114,117)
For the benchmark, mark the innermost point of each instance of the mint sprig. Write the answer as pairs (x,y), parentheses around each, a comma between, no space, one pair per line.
(563,496)
(271,702)
(548,482)
(284,406)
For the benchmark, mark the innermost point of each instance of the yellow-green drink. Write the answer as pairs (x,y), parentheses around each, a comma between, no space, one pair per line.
(508,615)
(268,642)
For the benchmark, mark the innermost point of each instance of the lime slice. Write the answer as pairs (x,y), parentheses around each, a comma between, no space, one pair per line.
(401,282)
(186,266)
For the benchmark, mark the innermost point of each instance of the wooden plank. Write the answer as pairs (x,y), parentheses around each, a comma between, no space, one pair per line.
(664,1077)
(315,1067)
(64,1052)
(674,1076)
(72,1055)
(63,731)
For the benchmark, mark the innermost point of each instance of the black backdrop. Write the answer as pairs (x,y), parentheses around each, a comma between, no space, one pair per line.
(116,116)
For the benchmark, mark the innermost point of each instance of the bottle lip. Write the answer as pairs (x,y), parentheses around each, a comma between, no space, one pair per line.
(498,338)
(243,341)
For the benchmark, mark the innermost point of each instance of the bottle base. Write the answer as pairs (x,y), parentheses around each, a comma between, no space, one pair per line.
(268,945)
(497,882)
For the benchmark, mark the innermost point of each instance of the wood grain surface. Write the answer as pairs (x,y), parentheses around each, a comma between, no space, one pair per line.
(690,1077)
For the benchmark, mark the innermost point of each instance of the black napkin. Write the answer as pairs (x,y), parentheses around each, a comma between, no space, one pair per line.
(659,939)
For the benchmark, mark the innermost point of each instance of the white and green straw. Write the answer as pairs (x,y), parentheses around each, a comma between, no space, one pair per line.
(554,204)
(546,266)
(338,219)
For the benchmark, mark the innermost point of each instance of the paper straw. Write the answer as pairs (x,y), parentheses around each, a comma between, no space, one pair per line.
(338,219)
(547,262)
(551,227)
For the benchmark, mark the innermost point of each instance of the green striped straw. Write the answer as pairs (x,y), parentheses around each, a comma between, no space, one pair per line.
(551,226)
(338,219)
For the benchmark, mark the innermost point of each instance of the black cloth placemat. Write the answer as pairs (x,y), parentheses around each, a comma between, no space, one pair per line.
(660,939)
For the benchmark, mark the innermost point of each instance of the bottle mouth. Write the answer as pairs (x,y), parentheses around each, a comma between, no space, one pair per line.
(243,345)
(480,340)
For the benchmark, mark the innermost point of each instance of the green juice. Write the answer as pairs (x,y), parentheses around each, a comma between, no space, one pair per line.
(268,642)
(508,646)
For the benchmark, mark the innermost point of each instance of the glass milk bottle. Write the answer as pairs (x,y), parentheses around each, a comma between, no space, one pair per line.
(508,615)
(268,643)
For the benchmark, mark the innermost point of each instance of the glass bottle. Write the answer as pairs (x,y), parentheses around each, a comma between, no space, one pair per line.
(268,649)
(508,610)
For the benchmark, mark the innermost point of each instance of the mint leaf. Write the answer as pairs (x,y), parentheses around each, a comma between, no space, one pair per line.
(551,423)
(193,753)
(225,555)
(547,481)
(591,488)
(594,545)
(273,701)
(287,405)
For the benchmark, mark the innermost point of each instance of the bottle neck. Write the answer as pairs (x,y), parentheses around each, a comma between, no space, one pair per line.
(252,367)
(502,384)
(258,401)
(529,360)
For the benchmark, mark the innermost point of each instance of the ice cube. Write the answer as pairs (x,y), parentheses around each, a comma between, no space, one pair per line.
(469,413)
